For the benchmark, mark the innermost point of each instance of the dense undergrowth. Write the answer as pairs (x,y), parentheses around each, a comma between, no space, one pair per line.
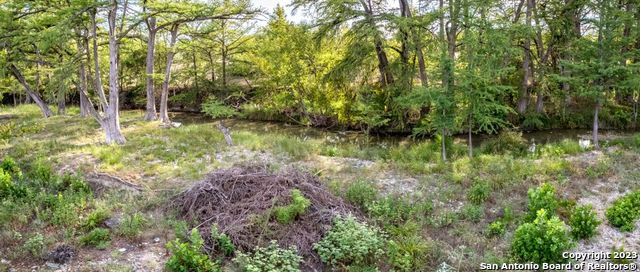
(458,213)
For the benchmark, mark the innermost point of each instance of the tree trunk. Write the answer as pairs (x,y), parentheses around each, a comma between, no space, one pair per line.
(44,108)
(82,79)
(96,63)
(443,141)
(61,97)
(595,124)
(470,140)
(526,65)
(164,112)
(150,111)
(540,102)
(386,77)
(111,121)
(407,75)
(212,67)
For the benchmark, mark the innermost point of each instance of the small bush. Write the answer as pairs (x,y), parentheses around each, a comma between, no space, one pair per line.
(361,193)
(270,258)
(222,241)
(543,197)
(10,166)
(409,253)
(299,204)
(496,228)
(624,212)
(507,142)
(479,192)
(350,242)
(131,225)
(97,237)
(217,109)
(96,218)
(583,222)
(188,257)
(542,241)
(473,213)
(598,170)
(35,245)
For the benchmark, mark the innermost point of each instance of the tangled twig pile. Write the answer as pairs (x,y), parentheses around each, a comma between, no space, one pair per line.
(239,201)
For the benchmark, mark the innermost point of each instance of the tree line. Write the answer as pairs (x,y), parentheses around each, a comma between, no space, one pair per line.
(427,67)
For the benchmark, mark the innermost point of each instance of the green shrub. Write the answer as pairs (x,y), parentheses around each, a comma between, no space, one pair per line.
(479,192)
(361,193)
(35,245)
(270,258)
(10,166)
(97,237)
(299,204)
(188,257)
(583,222)
(395,210)
(6,184)
(543,197)
(222,241)
(96,218)
(131,225)
(496,228)
(472,213)
(409,253)
(217,109)
(350,242)
(624,211)
(542,241)
(598,170)
(507,142)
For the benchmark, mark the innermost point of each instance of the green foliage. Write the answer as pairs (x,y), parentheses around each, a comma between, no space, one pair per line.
(496,228)
(507,142)
(599,169)
(270,258)
(543,197)
(216,109)
(479,192)
(97,237)
(10,166)
(188,257)
(132,225)
(350,242)
(361,193)
(222,241)
(409,253)
(394,210)
(96,218)
(625,211)
(35,245)
(299,204)
(583,222)
(541,241)
(473,213)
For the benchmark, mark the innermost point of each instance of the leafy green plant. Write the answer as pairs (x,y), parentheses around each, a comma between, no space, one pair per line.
(10,166)
(96,218)
(409,253)
(188,256)
(472,213)
(299,204)
(361,193)
(583,222)
(217,109)
(506,142)
(97,237)
(624,211)
(223,242)
(541,241)
(543,197)
(496,228)
(131,225)
(479,192)
(350,242)
(270,258)
(35,245)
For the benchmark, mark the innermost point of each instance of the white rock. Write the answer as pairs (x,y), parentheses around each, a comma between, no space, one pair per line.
(122,249)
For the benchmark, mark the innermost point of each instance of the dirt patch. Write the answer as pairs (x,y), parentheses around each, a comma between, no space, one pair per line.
(239,201)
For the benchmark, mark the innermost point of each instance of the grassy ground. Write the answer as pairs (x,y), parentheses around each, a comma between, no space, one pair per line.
(434,212)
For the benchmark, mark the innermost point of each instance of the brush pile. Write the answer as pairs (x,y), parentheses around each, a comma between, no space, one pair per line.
(240,201)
